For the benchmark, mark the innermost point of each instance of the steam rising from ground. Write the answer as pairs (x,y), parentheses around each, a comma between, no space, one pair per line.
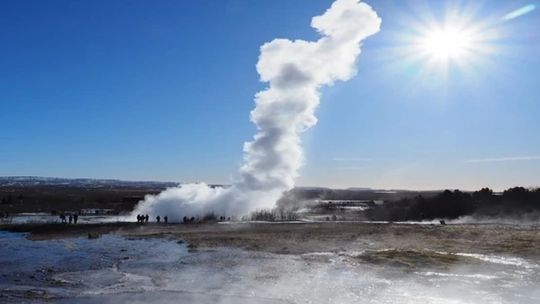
(295,71)
(113,269)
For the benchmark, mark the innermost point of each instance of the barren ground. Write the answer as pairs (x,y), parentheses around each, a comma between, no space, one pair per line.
(299,238)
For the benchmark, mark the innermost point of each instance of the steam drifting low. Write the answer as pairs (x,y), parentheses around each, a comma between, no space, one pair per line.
(295,71)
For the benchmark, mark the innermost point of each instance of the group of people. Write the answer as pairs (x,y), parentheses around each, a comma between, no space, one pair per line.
(141,218)
(165,219)
(70,219)
(188,219)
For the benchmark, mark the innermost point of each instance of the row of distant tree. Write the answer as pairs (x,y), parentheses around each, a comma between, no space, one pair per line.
(514,202)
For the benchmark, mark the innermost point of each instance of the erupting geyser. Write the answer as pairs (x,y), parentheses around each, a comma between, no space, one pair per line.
(295,71)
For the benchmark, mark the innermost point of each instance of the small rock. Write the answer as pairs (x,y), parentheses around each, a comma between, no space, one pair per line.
(93,235)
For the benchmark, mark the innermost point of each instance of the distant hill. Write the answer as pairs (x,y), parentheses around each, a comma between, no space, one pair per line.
(37,181)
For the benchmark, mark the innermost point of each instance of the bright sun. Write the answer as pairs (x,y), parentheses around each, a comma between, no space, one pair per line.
(458,41)
(446,43)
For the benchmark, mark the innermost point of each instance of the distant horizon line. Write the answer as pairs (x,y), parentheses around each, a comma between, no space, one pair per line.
(22,177)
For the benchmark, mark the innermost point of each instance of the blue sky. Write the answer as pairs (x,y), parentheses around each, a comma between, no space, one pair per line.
(162,90)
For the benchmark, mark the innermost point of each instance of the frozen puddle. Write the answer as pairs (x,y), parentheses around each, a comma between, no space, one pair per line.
(113,269)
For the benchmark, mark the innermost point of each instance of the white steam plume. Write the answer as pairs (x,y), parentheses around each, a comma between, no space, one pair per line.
(295,71)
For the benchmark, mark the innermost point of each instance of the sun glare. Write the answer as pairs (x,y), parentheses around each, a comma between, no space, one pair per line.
(448,43)
(459,40)
(456,44)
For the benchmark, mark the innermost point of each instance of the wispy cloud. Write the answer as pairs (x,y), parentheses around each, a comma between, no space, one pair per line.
(519,12)
(351,168)
(503,159)
(352,159)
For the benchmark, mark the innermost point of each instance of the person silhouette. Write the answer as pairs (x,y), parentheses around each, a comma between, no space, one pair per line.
(165,219)
(158,218)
